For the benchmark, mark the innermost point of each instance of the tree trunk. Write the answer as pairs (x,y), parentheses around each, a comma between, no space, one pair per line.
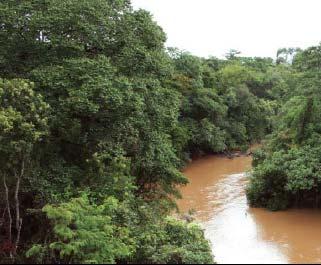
(9,213)
(18,218)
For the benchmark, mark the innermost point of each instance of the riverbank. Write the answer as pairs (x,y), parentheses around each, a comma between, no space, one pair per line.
(216,193)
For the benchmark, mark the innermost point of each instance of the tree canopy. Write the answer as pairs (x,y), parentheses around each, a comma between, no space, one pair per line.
(286,172)
(97,119)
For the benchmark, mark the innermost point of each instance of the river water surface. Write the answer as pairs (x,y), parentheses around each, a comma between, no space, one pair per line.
(240,234)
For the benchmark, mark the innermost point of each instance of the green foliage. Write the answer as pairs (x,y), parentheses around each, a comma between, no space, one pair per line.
(174,242)
(23,120)
(234,75)
(83,232)
(309,59)
(287,171)
(86,233)
(92,103)
(23,128)
(286,179)
(267,184)
(55,30)
(219,110)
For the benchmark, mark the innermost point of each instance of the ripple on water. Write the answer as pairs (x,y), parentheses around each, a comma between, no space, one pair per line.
(233,231)
(239,234)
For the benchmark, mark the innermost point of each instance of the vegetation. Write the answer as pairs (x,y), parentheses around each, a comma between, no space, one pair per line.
(97,118)
(287,168)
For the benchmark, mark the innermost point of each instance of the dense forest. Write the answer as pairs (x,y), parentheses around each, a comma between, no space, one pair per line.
(287,170)
(98,117)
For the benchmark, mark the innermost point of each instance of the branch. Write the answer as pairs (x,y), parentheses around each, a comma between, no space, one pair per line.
(18,235)
(9,212)
(3,215)
(16,196)
(18,219)
(8,207)
(18,223)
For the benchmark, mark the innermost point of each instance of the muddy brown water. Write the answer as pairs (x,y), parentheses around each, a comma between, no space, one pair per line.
(239,234)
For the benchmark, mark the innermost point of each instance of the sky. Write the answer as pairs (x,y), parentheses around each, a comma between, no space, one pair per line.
(254,27)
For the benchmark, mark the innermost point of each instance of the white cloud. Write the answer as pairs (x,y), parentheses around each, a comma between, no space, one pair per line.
(255,27)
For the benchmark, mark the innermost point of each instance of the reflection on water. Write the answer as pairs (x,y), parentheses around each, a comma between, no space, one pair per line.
(242,235)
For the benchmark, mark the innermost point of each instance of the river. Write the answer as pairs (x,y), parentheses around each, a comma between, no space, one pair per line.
(239,234)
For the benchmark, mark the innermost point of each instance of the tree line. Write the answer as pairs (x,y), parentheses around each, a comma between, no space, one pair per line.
(287,168)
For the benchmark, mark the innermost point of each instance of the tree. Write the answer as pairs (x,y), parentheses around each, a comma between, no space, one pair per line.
(232,54)
(56,30)
(286,172)
(23,126)
(85,233)
(286,55)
